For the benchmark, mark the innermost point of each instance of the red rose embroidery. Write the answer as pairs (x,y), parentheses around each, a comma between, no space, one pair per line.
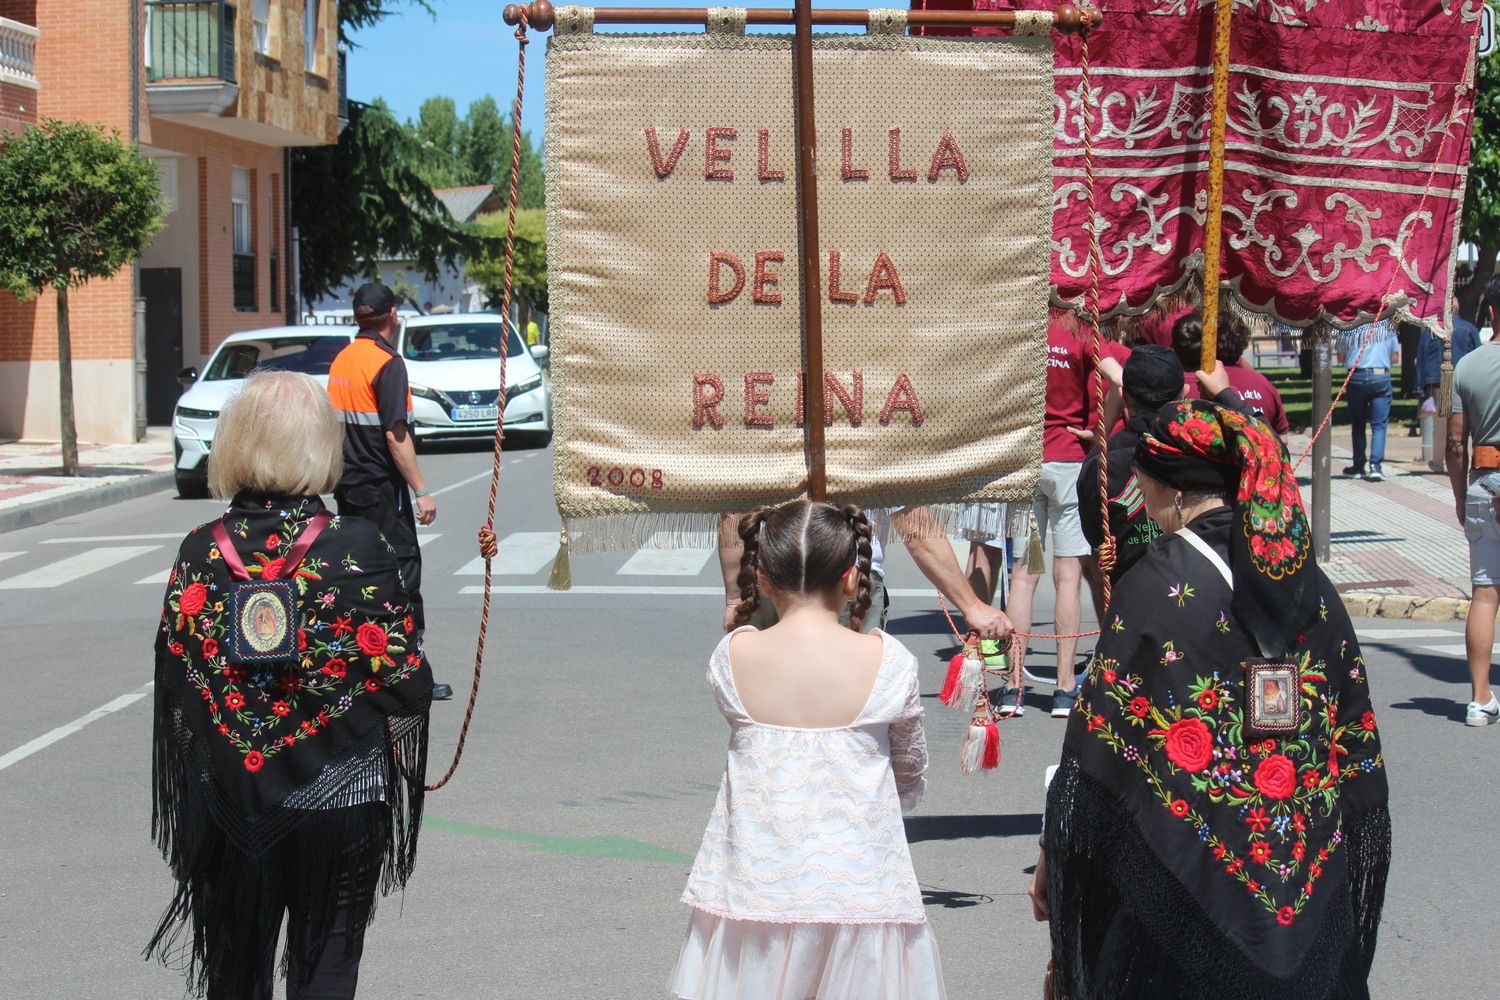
(254,761)
(1189,744)
(301,640)
(1208,700)
(273,541)
(1285,916)
(1180,808)
(371,639)
(234,701)
(272,570)
(408,623)
(210,646)
(1367,722)
(1276,776)
(372,684)
(336,668)
(1139,707)
(193,598)
(1108,675)
(175,649)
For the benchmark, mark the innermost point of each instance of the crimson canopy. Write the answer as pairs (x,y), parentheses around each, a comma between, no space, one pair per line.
(1346,153)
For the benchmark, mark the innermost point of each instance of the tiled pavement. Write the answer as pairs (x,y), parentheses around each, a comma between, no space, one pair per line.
(1390,539)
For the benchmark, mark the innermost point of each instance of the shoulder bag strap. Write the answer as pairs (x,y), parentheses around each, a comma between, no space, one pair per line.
(1192,538)
(231,555)
(293,559)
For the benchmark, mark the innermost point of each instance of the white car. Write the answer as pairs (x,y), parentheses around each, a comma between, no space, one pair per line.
(453,367)
(307,349)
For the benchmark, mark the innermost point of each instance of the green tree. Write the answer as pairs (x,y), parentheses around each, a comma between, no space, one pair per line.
(363,200)
(483,143)
(436,137)
(76,203)
(529,276)
(1480,223)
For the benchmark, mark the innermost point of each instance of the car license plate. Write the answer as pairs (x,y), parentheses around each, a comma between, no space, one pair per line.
(476,412)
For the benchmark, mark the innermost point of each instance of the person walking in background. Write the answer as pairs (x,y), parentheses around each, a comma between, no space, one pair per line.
(291,720)
(1476,486)
(803,886)
(367,383)
(1369,393)
(1259,395)
(1463,337)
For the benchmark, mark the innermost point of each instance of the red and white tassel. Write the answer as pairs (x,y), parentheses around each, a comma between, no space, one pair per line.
(981,748)
(965,681)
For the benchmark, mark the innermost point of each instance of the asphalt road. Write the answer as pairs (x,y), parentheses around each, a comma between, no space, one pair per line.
(551,866)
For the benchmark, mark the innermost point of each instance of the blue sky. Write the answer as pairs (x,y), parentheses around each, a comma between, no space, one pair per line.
(464,52)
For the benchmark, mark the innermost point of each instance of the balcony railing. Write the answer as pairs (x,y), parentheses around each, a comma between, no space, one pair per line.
(190,40)
(18,52)
(244,282)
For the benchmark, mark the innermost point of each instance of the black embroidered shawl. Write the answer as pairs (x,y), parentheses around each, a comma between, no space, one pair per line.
(244,753)
(1186,858)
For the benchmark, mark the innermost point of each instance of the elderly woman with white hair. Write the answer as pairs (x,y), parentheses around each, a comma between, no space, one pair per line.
(291,713)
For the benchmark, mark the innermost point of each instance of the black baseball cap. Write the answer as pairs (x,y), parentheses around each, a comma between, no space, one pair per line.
(1153,375)
(373,299)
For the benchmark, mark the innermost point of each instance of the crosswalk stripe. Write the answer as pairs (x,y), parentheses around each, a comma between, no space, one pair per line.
(74,567)
(95,539)
(521,554)
(159,578)
(20,753)
(1404,633)
(431,536)
(653,561)
(621,591)
(1456,649)
(9,555)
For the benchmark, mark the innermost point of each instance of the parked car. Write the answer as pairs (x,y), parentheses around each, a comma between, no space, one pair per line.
(453,366)
(308,349)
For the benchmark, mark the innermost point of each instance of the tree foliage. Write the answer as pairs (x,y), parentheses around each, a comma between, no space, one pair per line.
(76,203)
(1480,223)
(362,201)
(356,14)
(529,275)
(475,149)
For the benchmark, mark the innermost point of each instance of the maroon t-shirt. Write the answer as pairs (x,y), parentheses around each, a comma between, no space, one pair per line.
(1257,392)
(1068,403)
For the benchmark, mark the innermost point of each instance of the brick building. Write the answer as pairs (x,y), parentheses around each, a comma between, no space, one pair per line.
(215,92)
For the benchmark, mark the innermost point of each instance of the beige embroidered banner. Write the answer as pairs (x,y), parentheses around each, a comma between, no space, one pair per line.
(672,261)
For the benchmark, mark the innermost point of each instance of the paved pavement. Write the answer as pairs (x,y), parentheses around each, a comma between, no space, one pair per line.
(1396,550)
(551,867)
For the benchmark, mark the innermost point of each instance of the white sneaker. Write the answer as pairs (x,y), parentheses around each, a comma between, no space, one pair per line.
(1483,715)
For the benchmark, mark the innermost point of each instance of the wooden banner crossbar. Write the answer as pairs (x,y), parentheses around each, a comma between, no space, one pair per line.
(1067,17)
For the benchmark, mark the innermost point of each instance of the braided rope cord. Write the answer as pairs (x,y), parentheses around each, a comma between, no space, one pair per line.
(509,331)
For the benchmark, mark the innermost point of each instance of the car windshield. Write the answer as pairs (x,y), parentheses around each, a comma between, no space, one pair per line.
(458,340)
(309,355)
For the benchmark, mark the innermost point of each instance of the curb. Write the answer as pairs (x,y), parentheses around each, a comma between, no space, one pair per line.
(1423,609)
(28,515)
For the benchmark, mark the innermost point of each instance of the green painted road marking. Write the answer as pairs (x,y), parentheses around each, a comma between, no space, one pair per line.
(612,848)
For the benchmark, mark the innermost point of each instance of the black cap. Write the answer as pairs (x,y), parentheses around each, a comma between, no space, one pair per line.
(374,299)
(1153,376)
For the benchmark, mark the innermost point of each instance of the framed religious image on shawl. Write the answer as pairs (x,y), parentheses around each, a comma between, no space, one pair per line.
(1272,706)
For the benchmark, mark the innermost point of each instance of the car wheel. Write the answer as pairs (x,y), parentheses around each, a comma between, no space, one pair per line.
(191,487)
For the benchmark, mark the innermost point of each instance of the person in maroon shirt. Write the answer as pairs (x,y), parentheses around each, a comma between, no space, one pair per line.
(1066,435)
(1255,389)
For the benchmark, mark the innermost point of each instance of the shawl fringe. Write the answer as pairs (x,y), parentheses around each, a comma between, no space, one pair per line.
(1124,927)
(353,826)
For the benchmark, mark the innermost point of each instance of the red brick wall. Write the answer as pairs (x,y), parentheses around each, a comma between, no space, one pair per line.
(17,108)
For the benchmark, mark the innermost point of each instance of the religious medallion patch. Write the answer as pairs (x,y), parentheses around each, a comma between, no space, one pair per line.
(264,614)
(1273,690)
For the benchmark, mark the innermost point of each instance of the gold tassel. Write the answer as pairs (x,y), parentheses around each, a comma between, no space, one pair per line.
(562,572)
(1036,563)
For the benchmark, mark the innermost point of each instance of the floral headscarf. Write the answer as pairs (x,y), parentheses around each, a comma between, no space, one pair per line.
(1197,445)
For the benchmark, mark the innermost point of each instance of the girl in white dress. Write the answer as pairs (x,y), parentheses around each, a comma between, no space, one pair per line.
(803,888)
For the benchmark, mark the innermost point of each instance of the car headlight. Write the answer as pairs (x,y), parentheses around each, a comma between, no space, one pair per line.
(535,382)
(192,414)
(432,394)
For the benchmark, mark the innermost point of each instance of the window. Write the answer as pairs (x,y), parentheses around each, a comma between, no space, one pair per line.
(310,36)
(242,240)
(260,13)
(274,190)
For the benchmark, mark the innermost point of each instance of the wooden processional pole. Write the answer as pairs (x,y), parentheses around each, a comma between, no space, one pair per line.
(811,283)
(1213,221)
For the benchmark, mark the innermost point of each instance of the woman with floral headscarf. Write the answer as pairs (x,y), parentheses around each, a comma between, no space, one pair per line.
(1218,825)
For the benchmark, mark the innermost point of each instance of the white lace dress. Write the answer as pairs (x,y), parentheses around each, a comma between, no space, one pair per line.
(803,887)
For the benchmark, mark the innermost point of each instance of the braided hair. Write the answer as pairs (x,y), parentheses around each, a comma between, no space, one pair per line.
(805,547)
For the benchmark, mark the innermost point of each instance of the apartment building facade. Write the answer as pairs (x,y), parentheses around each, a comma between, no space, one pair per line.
(216,93)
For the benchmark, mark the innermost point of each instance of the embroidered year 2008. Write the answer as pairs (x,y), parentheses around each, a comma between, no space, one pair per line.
(1260,804)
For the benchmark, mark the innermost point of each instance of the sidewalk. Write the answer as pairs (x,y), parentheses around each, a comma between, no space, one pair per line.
(33,489)
(1396,549)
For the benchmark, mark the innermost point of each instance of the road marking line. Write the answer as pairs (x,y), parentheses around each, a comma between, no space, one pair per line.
(1457,649)
(431,536)
(462,482)
(44,741)
(1378,634)
(586,589)
(10,555)
(159,578)
(653,561)
(113,538)
(73,567)
(521,554)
